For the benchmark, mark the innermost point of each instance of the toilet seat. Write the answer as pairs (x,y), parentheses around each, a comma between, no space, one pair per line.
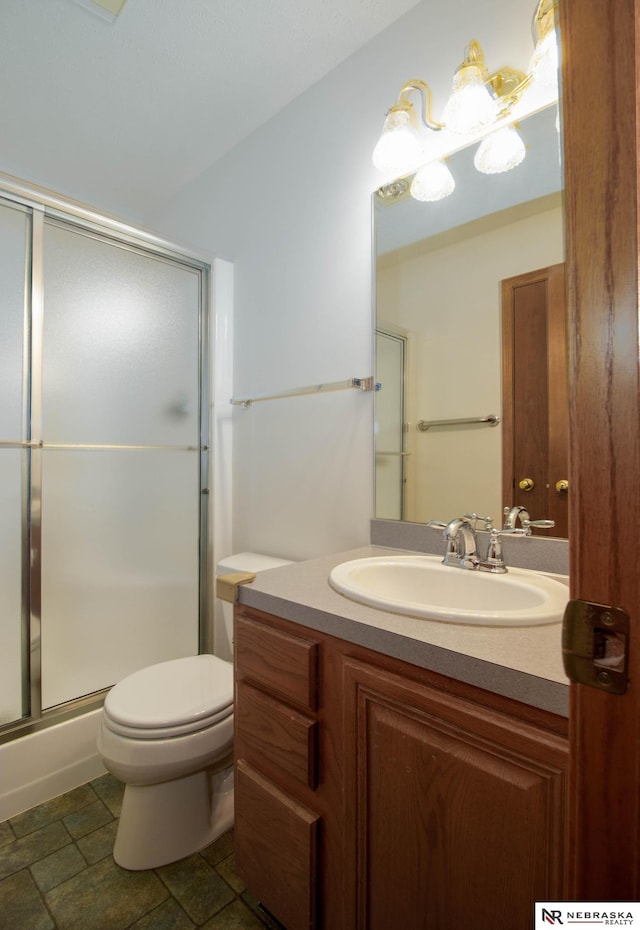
(171,698)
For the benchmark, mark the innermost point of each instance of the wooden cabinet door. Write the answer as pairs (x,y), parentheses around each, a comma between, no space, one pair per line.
(535,406)
(276,848)
(459,810)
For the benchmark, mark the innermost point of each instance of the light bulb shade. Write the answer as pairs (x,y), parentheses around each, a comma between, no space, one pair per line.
(500,151)
(432,182)
(544,61)
(398,149)
(472,105)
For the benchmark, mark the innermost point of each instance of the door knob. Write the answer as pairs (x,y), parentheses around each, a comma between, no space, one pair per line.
(562,486)
(526,484)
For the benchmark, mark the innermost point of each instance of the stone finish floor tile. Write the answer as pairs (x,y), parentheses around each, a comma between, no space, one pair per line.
(21,906)
(220,849)
(95,846)
(57,873)
(198,888)
(53,810)
(58,867)
(33,847)
(85,821)
(235,916)
(168,916)
(105,897)
(227,869)
(6,833)
(110,791)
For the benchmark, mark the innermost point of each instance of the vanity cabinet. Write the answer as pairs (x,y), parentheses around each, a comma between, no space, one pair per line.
(276,740)
(373,794)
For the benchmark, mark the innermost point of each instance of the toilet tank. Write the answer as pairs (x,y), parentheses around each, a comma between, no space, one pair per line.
(223,616)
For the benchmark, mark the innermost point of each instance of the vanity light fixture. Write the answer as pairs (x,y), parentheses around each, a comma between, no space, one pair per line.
(501,150)
(472,105)
(543,66)
(399,147)
(480,103)
(432,182)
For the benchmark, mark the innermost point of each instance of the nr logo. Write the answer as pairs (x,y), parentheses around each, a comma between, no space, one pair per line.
(551,917)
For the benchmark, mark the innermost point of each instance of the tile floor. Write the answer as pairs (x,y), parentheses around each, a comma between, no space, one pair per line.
(57,873)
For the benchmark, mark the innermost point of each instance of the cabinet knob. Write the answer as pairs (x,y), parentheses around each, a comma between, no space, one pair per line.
(526,484)
(562,486)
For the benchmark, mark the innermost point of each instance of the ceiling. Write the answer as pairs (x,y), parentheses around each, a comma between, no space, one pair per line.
(122,114)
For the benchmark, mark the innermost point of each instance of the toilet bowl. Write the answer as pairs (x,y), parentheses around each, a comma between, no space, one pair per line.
(167,733)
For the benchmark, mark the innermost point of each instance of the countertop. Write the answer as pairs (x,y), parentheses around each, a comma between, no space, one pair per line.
(523,663)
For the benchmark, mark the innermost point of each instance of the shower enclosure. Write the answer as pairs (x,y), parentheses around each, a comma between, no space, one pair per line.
(103,457)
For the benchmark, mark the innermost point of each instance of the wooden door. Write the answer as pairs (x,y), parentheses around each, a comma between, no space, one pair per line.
(535,409)
(600,90)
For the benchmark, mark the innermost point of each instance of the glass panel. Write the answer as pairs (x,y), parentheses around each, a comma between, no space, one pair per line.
(120,344)
(11,585)
(389,426)
(13,255)
(119,565)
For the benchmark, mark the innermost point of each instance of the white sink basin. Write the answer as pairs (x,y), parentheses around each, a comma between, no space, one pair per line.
(421,586)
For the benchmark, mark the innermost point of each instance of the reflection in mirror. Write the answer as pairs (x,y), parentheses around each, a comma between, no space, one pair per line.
(439,273)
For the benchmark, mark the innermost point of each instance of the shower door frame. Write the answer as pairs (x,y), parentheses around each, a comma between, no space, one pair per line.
(40,205)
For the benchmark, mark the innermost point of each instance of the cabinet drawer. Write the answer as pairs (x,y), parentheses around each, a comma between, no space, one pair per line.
(277,733)
(276,849)
(280,662)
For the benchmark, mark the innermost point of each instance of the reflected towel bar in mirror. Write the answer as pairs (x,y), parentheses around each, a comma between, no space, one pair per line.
(490,420)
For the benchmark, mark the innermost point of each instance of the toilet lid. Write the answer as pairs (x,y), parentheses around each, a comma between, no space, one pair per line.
(171,698)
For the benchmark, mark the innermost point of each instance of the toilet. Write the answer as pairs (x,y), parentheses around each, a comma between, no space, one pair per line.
(167,733)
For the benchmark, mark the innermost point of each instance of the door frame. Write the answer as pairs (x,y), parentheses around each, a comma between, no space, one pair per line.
(551,448)
(600,104)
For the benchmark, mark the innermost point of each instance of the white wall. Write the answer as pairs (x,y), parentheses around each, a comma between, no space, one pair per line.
(291,207)
(457,326)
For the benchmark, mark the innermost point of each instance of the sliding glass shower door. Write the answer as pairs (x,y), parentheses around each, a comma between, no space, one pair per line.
(15,225)
(103,461)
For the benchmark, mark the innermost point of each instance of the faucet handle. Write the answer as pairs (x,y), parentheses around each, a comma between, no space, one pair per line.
(436,524)
(543,524)
(494,560)
(488,521)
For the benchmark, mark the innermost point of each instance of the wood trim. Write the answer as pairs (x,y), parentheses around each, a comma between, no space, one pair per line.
(558,396)
(507,394)
(600,82)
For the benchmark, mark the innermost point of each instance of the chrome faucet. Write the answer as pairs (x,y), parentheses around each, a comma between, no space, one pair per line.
(513,514)
(461,543)
(457,531)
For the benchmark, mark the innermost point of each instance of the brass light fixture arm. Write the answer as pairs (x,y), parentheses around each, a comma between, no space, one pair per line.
(545,17)
(403,102)
(508,86)
(474,58)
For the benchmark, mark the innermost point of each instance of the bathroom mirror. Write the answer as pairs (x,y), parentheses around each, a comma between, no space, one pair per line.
(439,268)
